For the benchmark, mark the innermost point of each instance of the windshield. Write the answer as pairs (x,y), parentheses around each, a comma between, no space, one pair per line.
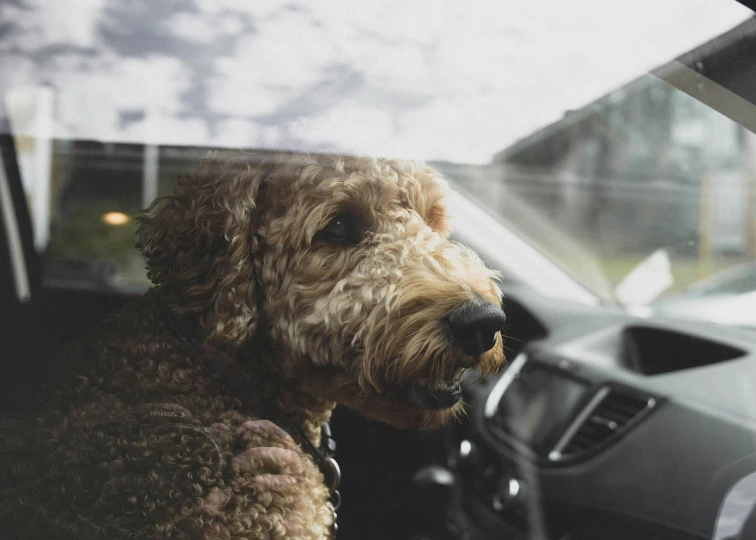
(618,151)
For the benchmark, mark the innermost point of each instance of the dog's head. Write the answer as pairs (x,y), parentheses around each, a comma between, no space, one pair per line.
(343,266)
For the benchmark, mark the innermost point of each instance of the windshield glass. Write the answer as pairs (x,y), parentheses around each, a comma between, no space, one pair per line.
(619,151)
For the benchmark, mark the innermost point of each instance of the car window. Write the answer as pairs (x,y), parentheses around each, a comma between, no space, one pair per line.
(597,156)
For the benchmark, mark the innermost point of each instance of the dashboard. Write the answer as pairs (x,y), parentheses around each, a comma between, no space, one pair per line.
(609,425)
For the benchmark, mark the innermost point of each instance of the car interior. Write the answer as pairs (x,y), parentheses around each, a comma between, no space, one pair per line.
(607,422)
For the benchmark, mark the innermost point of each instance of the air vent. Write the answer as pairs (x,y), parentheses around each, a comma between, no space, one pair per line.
(609,414)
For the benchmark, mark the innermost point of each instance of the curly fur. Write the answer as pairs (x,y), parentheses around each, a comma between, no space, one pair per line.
(142,437)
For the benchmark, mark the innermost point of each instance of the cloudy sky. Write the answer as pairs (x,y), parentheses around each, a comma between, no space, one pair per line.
(445,80)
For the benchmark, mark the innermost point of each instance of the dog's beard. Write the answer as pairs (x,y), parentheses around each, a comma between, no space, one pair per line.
(402,370)
(424,393)
(416,399)
(429,369)
(341,388)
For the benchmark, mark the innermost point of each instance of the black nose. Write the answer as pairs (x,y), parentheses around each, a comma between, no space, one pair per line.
(473,327)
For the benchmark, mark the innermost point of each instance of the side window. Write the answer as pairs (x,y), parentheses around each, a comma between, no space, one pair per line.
(84,197)
(644,171)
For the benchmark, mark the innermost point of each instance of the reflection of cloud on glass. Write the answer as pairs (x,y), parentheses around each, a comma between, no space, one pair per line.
(204,29)
(38,24)
(451,81)
(735,509)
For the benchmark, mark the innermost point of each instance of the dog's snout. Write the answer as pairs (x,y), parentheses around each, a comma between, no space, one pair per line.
(473,328)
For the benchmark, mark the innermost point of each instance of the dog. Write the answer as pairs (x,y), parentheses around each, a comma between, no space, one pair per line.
(283,284)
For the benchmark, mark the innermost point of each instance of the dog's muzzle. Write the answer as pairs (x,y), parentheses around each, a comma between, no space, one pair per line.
(472,329)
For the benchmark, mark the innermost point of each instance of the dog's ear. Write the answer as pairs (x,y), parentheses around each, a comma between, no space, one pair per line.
(200,246)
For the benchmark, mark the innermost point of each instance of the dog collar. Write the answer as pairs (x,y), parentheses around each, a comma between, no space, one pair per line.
(323,456)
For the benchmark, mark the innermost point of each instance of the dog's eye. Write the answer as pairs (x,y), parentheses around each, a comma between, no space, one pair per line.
(340,230)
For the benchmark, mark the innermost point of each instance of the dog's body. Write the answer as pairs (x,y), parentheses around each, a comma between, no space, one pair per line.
(283,286)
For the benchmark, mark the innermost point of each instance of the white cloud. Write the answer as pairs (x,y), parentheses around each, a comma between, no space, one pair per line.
(270,66)
(437,80)
(69,22)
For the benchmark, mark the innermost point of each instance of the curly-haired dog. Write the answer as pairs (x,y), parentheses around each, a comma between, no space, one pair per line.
(283,285)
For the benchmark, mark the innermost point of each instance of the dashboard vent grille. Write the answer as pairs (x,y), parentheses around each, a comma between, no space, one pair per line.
(609,414)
